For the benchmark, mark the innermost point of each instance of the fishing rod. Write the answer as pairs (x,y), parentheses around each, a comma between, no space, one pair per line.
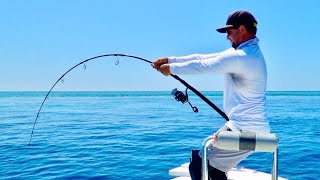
(178,95)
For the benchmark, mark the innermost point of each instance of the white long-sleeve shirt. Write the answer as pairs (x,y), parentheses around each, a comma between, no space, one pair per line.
(245,79)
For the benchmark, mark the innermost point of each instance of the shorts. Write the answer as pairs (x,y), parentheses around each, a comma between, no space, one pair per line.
(225,160)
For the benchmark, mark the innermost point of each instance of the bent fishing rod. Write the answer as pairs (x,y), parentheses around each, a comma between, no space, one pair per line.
(178,95)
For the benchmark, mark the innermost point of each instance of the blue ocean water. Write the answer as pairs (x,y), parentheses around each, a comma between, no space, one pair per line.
(140,135)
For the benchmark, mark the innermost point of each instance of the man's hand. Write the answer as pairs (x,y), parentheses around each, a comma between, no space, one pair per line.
(162,65)
(157,63)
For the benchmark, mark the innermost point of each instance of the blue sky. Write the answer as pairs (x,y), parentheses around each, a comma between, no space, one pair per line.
(40,40)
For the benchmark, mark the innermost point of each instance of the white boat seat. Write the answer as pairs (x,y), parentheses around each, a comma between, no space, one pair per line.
(232,140)
(237,140)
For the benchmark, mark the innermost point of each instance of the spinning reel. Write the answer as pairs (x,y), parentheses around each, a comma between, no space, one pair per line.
(183,98)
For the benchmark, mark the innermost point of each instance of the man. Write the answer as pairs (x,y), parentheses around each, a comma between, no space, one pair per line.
(245,78)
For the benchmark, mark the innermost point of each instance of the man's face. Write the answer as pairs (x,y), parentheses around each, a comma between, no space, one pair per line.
(234,36)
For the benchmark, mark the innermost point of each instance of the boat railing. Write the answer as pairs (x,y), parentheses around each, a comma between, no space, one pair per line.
(237,140)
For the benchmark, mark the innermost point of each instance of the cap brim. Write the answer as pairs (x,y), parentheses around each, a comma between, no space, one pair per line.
(224,29)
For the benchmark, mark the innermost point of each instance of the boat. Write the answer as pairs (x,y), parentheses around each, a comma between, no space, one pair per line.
(236,173)
(229,140)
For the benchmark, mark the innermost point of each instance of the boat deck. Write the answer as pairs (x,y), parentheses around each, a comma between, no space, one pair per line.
(182,173)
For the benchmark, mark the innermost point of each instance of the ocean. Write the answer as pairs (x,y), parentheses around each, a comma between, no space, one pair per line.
(141,135)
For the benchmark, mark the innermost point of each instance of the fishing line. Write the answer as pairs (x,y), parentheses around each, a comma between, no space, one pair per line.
(116,63)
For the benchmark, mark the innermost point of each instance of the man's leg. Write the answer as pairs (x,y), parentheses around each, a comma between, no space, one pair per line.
(221,161)
(216,174)
(195,168)
(195,165)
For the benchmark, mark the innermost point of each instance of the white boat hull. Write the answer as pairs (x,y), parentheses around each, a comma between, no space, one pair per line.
(182,173)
